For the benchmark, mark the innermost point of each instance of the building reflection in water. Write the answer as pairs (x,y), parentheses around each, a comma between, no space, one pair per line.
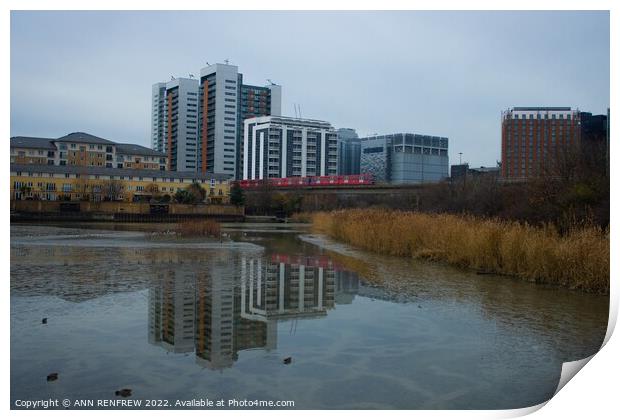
(236,304)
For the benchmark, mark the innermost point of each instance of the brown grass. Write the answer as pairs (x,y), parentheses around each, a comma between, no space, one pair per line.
(203,227)
(577,260)
(303,217)
(188,229)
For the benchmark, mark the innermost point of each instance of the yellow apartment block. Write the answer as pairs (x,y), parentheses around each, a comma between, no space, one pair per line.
(72,183)
(83,149)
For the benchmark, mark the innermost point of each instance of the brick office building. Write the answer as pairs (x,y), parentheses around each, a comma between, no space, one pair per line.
(534,137)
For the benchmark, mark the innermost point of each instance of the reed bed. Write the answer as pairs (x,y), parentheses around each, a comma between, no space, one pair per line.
(302,217)
(577,260)
(206,227)
(189,229)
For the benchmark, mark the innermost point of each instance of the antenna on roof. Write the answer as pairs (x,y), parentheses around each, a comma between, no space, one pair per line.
(271,82)
(299,111)
(207,63)
(191,76)
(171,77)
(226,61)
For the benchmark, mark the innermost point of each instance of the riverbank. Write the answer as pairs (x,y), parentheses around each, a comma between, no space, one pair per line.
(118,211)
(577,260)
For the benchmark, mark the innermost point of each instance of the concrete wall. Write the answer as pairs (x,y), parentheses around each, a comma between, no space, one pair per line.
(413,168)
(107,207)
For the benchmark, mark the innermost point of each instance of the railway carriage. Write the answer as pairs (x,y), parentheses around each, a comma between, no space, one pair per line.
(309,181)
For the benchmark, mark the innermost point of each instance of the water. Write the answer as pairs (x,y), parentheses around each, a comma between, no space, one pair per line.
(181,320)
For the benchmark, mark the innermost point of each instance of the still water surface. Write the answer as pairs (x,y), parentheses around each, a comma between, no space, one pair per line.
(179,320)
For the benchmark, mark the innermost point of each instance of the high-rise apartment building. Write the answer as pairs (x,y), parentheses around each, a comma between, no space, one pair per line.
(225,102)
(533,138)
(349,150)
(174,122)
(405,158)
(256,101)
(280,147)
(172,311)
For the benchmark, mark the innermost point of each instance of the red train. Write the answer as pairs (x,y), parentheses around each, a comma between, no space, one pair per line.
(309,181)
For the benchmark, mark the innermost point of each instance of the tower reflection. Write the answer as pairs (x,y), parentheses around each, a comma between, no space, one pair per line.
(231,304)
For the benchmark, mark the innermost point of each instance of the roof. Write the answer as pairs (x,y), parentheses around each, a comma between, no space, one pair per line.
(135,149)
(80,137)
(96,170)
(32,143)
(541,108)
(486,169)
(265,88)
(290,121)
(392,135)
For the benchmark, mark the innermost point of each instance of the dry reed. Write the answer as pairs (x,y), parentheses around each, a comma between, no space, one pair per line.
(204,227)
(303,217)
(187,229)
(577,260)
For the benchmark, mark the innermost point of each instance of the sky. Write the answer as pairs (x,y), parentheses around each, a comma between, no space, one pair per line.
(438,73)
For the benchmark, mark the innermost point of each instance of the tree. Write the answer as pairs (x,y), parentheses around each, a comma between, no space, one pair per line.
(264,196)
(112,189)
(198,192)
(24,190)
(152,188)
(237,196)
(83,187)
(184,197)
(194,194)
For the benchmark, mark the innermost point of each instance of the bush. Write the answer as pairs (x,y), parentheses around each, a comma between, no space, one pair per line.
(237,196)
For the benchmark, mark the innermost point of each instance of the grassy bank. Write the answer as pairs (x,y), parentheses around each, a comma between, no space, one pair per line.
(577,260)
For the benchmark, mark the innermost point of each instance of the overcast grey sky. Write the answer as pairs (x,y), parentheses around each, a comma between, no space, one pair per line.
(440,73)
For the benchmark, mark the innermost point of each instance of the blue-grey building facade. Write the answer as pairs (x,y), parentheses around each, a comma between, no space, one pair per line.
(405,158)
(349,149)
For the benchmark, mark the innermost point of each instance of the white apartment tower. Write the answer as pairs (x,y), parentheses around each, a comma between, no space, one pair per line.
(199,123)
(174,123)
(218,118)
(281,147)
(224,103)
